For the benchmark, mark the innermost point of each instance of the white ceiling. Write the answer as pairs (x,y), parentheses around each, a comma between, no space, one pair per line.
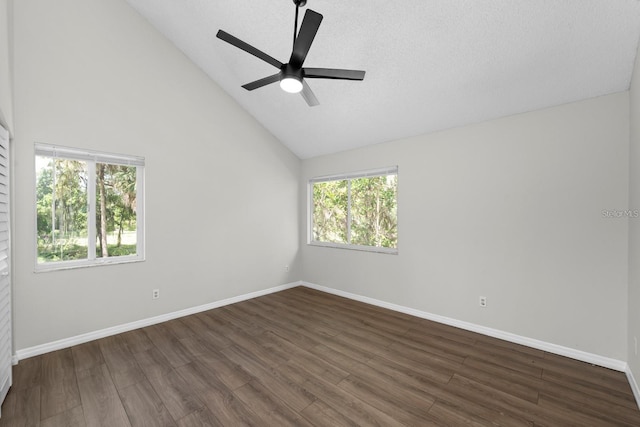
(430,64)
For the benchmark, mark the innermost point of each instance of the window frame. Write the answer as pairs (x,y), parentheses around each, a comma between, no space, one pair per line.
(92,157)
(392,170)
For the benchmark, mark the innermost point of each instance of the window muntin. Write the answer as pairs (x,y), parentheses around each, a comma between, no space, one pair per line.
(89,208)
(356,211)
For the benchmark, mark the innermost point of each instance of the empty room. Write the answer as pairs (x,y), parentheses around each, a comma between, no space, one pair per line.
(314,213)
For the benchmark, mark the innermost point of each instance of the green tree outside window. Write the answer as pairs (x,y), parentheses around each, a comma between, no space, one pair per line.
(360,211)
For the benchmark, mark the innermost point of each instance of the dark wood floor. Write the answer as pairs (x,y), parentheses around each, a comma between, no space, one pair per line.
(302,357)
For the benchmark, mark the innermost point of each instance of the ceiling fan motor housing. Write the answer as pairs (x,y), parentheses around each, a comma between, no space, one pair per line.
(290,72)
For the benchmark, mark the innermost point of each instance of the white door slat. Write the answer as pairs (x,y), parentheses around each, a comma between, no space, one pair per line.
(5,277)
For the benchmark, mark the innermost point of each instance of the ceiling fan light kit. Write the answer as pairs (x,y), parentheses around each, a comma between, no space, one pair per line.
(291,79)
(291,85)
(292,74)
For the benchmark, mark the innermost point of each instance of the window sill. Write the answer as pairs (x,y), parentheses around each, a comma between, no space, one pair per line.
(375,249)
(71,265)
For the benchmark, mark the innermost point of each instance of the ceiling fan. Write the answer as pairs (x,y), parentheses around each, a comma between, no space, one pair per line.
(292,75)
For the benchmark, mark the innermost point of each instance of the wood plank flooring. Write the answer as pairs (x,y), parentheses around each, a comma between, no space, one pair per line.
(305,358)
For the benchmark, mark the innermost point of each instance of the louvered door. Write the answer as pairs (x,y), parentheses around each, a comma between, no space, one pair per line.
(5,277)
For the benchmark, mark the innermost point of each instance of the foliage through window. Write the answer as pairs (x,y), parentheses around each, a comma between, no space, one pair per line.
(88,207)
(357,210)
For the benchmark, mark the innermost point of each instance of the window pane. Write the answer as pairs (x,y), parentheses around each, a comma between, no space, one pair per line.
(374,219)
(330,211)
(116,222)
(61,188)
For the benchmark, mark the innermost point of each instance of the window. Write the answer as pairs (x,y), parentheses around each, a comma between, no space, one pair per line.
(89,208)
(356,211)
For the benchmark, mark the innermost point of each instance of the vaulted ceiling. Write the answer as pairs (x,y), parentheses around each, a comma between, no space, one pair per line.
(430,64)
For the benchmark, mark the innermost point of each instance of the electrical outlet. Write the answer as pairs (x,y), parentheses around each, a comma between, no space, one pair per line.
(155,294)
(483,301)
(286,268)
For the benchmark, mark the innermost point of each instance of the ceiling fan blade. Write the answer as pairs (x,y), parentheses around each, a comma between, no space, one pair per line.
(333,73)
(308,95)
(262,82)
(222,35)
(307,33)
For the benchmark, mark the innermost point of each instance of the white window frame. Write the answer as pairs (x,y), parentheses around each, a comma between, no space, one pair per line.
(93,157)
(392,170)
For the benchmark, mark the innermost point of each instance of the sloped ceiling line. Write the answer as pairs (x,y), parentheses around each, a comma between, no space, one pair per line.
(431,64)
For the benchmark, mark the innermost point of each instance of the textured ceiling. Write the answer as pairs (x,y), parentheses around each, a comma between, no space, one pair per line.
(431,64)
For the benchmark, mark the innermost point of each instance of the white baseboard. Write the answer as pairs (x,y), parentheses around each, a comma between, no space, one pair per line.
(634,385)
(90,336)
(594,359)
(583,356)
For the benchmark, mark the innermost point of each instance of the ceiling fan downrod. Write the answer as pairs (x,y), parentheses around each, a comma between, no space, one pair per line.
(299,4)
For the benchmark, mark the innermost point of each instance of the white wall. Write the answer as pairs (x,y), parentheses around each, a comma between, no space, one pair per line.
(221,192)
(634,223)
(6,99)
(510,209)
